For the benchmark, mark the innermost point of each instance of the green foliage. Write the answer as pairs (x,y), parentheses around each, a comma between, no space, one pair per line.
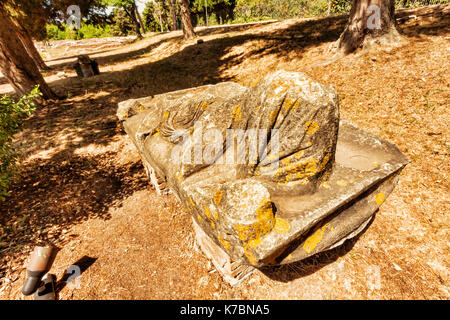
(254,10)
(122,25)
(156,13)
(12,114)
(118,3)
(199,5)
(417,3)
(87,31)
(34,15)
(340,6)
(219,11)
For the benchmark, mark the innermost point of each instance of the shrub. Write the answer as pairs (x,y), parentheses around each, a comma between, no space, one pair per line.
(12,115)
(87,31)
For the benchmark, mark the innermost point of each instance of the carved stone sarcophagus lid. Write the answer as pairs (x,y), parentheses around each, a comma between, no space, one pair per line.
(268,172)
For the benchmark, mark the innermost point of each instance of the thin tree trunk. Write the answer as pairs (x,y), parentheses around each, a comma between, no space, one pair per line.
(206,13)
(140,19)
(369,21)
(188,29)
(30,47)
(15,64)
(174,15)
(132,14)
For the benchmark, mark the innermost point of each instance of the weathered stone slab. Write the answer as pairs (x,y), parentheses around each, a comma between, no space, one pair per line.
(232,272)
(299,181)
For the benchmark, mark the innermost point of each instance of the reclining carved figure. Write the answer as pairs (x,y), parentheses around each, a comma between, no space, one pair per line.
(267,171)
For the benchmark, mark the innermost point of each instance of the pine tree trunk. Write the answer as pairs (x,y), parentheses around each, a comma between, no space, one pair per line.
(188,29)
(369,21)
(174,14)
(30,47)
(131,12)
(15,63)
(138,15)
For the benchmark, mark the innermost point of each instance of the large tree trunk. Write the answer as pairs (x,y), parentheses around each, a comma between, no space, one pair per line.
(15,64)
(174,14)
(369,21)
(30,47)
(188,29)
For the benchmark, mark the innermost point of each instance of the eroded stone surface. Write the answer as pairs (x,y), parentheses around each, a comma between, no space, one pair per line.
(286,198)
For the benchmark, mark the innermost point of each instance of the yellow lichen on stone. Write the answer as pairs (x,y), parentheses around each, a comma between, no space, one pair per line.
(288,103)
(273,116)
(312,241)
(297,170)
(208,213)
(155,132)
(264,224)
(299,177)
(218,197)
(281,226)
(254,83)
(124,115)
(380,198)
(242,231)
(292,158)
(342,183)
(248,252)
(272,157)
(325,161)
(187,205)
(204,105)
(255,242)
(325,185)
(237,115)
(225,244)
(311,127)
(311,167)
(264,213)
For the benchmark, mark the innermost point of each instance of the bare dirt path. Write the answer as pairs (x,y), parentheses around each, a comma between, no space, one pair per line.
(84,188)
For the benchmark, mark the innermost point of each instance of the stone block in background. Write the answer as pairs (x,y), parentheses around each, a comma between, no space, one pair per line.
(86,67)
